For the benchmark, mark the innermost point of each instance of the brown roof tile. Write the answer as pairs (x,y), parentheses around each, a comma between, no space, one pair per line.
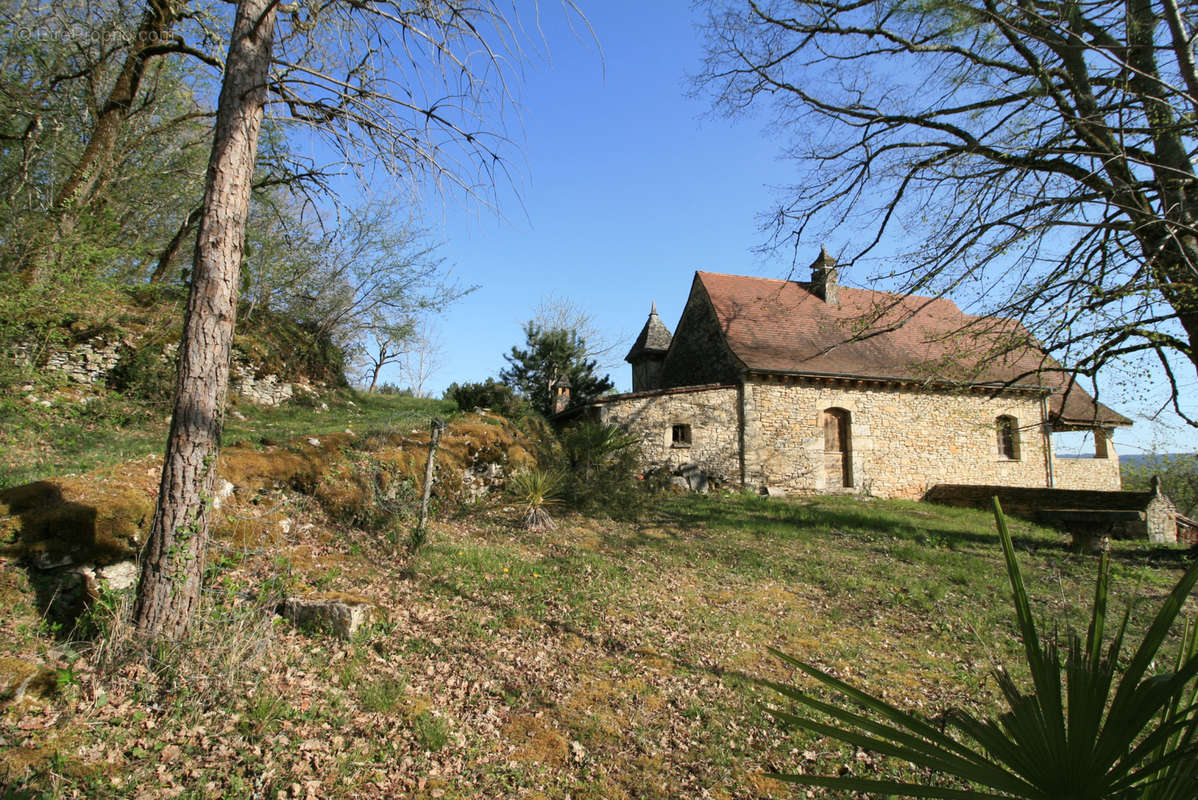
(781,326)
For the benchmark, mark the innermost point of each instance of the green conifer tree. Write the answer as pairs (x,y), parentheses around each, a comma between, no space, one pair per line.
(552,355)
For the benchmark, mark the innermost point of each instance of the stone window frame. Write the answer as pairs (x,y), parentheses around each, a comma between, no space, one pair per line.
(682,435)
(1006,431)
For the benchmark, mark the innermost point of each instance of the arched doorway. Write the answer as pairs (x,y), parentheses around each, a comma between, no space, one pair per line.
(837,449)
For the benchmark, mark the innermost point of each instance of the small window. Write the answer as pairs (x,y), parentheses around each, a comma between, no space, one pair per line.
(1101,442)
(1008,437)
(681,436)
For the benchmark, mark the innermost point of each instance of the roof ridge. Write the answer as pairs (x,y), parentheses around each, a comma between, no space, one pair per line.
(843,287)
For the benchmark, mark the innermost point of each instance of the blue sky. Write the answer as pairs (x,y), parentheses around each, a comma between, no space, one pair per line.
(627,188)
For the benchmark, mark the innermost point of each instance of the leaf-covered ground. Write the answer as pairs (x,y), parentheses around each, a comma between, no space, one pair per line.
(600,660)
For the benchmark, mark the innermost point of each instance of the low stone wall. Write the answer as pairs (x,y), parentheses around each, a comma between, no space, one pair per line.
(1154,513)
(711,413)
(90,362)
(266,390)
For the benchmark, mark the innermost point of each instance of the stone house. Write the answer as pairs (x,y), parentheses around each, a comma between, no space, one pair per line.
(815,387)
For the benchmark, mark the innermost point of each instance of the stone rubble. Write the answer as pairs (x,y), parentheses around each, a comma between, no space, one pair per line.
(90,363)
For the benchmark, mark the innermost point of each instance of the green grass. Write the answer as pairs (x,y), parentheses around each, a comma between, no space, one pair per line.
(602,660)
(71,437)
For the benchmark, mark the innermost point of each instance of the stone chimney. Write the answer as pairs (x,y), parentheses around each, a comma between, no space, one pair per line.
(825,279)
(561,394)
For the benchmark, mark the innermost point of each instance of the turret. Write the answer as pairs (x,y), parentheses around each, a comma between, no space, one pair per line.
(649,353)
(560,390)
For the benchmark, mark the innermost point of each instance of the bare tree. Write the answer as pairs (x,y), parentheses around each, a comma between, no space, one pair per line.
(421,357)
(1042,152)
(412,86)
(563,313)
(387,345)
(376,275)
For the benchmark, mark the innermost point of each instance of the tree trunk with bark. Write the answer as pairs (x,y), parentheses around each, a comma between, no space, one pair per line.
(173,560)
(150,40)
(79,189)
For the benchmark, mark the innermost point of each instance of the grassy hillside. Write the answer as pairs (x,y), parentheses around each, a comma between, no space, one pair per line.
(81,431)
(50,425)
(601,660)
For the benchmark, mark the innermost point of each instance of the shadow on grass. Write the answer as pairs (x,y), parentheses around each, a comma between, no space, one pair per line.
(771,519)
(930,525)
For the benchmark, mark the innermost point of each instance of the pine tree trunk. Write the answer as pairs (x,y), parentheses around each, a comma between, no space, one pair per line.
(173,560)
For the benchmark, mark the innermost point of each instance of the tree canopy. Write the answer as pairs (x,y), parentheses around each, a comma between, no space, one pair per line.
(551,356)
(1039,156)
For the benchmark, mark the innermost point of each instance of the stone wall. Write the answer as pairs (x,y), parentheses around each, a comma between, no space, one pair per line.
(265,390)
(902,441)
(1160,520)
(1149,515)
(698,355)
(1088,473)
(86,362)
(711,413)
(90,362)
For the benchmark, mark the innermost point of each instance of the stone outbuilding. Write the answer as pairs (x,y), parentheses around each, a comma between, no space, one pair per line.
(814,386)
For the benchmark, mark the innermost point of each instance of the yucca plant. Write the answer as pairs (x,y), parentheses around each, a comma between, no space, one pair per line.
(589,444)
(534,489)
(1086,730)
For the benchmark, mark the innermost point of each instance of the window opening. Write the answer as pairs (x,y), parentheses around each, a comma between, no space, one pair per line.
(681,435)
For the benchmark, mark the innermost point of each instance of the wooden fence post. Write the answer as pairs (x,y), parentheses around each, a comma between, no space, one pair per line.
(421,532)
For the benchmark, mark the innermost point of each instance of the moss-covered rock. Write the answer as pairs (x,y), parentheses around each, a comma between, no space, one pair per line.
(74,520)
(299,465)
(339,613)
(20,678)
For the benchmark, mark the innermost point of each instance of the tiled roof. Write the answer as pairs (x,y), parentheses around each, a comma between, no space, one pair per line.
(655,337)
(779,326)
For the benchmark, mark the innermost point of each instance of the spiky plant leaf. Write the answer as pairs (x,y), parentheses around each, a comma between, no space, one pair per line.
(1084,731)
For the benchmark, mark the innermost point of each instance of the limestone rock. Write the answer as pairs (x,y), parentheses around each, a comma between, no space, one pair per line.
(695,477)
(119,576)
(335,612)
(224,490)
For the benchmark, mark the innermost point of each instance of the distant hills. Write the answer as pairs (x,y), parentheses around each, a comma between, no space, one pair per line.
(1148,459)
(1138,459)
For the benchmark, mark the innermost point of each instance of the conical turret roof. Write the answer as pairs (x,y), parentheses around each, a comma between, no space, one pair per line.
(655,338)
